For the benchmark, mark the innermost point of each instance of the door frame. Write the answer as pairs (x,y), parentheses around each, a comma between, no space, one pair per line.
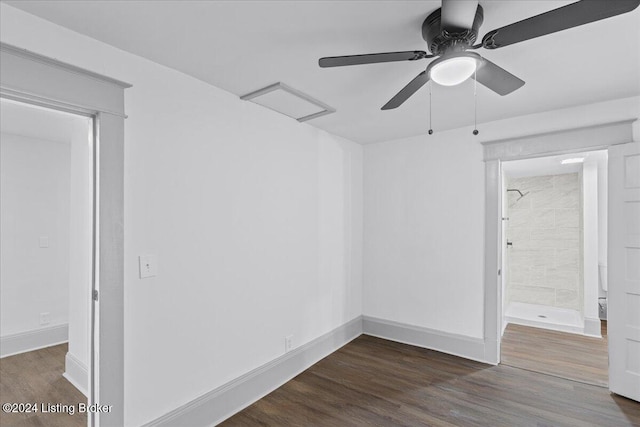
(39,80)
(590,138)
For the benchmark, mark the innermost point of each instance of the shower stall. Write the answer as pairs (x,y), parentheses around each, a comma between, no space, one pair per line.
(546,282)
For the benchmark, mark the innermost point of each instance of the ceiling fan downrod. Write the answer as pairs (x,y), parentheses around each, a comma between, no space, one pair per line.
(430,128)
(475,103)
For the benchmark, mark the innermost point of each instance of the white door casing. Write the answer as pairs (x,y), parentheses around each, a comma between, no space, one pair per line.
(29,77)
(624,270)
(576,140)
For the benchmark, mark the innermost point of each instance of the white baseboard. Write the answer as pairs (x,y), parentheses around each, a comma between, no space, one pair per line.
(228,399)
(458,345)
(76,373)
(592,327)
(33,340)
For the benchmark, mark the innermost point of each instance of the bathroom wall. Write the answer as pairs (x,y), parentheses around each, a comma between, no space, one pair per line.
(34,177)
(545,261)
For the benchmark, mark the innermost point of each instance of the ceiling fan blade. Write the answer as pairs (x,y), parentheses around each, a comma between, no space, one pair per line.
(563,18)
(458,15)
(372,58)
(406,92)
(497,78)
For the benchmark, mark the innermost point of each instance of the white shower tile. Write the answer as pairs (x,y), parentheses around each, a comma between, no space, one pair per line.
(545,229)
(518,234)
(519,274)
(519,218)
(543,199)
(542,296)
(543,234)
(516,204)
(524,244)
(555,244)
(555,198)
(569,181)
(542,218)
(567,199)
(530,257)
(562,279)
(538,275)
(533,183)
(568,258)
(555,234)
(567,299)
(538,281)
(566,180)
(567,218)
(568,234)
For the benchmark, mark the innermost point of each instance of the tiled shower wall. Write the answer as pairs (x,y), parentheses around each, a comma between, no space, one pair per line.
(544,264)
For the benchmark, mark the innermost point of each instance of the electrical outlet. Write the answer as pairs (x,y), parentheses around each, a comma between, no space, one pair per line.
(148,266)
(45,318)
(288,343)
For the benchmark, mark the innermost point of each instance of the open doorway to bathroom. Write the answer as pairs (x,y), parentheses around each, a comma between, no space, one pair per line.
(554,256)
(46,260)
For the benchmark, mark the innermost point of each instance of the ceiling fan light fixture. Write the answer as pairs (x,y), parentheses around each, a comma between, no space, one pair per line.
(453,70)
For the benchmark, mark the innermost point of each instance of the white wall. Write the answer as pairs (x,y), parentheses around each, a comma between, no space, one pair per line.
(255,219)
(424,207)
(424,232)
(34,180)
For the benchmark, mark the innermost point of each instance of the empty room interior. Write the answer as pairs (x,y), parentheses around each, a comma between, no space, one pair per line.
(320,213)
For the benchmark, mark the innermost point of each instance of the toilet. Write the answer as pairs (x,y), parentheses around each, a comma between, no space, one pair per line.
(602,308)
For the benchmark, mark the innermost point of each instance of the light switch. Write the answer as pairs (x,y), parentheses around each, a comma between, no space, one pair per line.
(43,241)
(148,266)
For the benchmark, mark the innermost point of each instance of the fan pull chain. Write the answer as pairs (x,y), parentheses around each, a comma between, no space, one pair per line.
(475,102)
(430,129)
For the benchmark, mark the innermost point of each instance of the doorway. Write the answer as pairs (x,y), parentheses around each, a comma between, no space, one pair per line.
(47,257)
(554,263)
(40,80)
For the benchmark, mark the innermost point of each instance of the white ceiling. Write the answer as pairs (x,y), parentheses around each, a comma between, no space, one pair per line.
(241,46)
(35,122)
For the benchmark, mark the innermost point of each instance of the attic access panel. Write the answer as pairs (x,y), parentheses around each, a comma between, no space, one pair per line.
(289,101)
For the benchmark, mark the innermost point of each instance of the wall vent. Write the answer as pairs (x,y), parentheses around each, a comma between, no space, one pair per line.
(289,101)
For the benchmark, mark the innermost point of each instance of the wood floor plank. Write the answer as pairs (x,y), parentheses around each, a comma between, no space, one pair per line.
(372,381)
(36,377)
(566,355)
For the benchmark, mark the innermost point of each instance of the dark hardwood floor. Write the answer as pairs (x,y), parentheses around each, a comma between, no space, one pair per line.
(374,382)
(571,356)
(36,377)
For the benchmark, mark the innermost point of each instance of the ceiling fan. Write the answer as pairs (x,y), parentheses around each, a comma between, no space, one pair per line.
(451,31)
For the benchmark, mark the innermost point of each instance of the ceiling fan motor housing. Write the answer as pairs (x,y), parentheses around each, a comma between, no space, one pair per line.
(441,40)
